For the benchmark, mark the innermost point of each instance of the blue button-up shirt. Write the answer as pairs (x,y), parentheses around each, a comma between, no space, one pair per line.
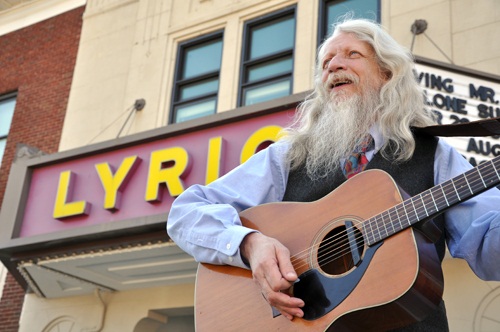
(204,220)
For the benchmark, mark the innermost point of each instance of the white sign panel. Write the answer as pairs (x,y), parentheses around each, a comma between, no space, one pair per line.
(458,98)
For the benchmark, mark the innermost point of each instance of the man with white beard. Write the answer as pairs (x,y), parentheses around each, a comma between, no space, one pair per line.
(365,88)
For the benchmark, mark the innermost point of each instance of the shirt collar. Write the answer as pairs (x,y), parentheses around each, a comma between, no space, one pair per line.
(377,137)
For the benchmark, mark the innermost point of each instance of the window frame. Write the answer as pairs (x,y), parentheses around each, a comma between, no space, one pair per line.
(11,95)
(179,83)
(247,63)
(323,21)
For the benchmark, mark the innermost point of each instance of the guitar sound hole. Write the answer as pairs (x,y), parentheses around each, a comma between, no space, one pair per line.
(339,252)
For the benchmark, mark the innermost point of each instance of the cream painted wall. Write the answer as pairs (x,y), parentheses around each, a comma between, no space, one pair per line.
(128,51)
(471,304)
(465,30)
(111,312)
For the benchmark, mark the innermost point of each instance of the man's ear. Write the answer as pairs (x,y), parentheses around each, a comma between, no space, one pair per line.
(386,74)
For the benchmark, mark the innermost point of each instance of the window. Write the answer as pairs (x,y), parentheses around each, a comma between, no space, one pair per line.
(7,105)
(197,78)
(331,10)
(267,61)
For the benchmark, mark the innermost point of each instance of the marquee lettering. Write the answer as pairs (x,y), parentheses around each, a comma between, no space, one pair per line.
(167,168)
(114,184)
(63,206)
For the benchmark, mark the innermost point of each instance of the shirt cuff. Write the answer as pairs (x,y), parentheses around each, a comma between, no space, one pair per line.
(231,247)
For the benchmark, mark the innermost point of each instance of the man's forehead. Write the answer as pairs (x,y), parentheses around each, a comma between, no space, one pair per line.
(346,40)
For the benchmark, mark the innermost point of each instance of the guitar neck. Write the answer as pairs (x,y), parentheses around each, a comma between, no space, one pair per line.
(433,201)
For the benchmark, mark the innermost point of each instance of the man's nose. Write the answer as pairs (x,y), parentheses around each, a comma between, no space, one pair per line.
(337,63)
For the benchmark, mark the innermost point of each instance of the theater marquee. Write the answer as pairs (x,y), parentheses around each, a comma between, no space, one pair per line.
(457,96)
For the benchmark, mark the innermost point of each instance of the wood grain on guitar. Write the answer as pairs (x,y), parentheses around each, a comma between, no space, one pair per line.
(361,265)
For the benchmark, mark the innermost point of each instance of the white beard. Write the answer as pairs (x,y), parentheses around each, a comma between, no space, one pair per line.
(343,124)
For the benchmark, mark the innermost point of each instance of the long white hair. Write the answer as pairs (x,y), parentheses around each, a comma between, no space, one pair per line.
(401,103)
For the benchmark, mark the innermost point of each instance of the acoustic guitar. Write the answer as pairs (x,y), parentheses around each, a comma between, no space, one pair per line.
(361,264)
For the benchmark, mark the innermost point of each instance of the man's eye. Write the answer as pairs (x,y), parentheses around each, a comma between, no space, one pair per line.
(325,63)
(354,54)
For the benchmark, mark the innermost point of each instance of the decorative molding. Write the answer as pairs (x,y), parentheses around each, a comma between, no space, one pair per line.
(95,7)
(25,152)
(28,13)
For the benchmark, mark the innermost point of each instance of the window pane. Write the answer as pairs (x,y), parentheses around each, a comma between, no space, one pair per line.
(360,8)
(202,59)
(189,112)
(269,69)
(2,148)
(6,112)
(199,89)
(271,38)
(266,92)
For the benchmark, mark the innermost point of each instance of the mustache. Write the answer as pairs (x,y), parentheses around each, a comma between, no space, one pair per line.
(335,79)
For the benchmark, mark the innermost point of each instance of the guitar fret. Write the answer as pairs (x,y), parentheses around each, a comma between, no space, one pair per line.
(489,177)
(373,229)
(407,216)
(385,224)
(444,195)
(498,176)
(379,232)
(418,207)
(453,183)
(415,209)
(367,232)
(477,185)
(437,194)
(398,218)
(432,201)
(463,187)
(451,192)
(379,227)
(481,177)
(468,184)
(423,204)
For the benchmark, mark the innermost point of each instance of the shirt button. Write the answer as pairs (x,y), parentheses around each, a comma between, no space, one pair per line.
(230,259)
(228,246)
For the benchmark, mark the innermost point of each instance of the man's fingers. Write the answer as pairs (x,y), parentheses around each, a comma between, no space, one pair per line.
(273,272)
(285,265)
(287,305)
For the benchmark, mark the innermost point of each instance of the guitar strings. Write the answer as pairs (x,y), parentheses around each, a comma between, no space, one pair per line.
(398,207)
(327,257)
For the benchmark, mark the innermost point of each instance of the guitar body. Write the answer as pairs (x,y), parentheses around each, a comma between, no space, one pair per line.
(394,283)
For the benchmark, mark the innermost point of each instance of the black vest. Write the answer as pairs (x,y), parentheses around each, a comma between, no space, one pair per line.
(413,176)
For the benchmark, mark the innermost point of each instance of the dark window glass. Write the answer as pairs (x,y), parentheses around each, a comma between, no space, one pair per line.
(267,68)
(331,10)
(197,78)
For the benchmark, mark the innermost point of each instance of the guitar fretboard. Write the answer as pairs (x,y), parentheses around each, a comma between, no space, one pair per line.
(433,201)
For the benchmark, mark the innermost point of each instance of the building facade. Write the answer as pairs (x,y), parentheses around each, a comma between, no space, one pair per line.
(37,65)
(157,95)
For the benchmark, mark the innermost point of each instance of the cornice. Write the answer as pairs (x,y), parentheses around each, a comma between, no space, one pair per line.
(28,13)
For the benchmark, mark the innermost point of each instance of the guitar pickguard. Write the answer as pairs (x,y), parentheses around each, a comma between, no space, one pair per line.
(322,294)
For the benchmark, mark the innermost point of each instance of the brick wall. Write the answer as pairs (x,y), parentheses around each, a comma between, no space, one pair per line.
(11,305)
(37,62)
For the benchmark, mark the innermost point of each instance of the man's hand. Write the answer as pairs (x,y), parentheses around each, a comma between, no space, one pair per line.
(273,272)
